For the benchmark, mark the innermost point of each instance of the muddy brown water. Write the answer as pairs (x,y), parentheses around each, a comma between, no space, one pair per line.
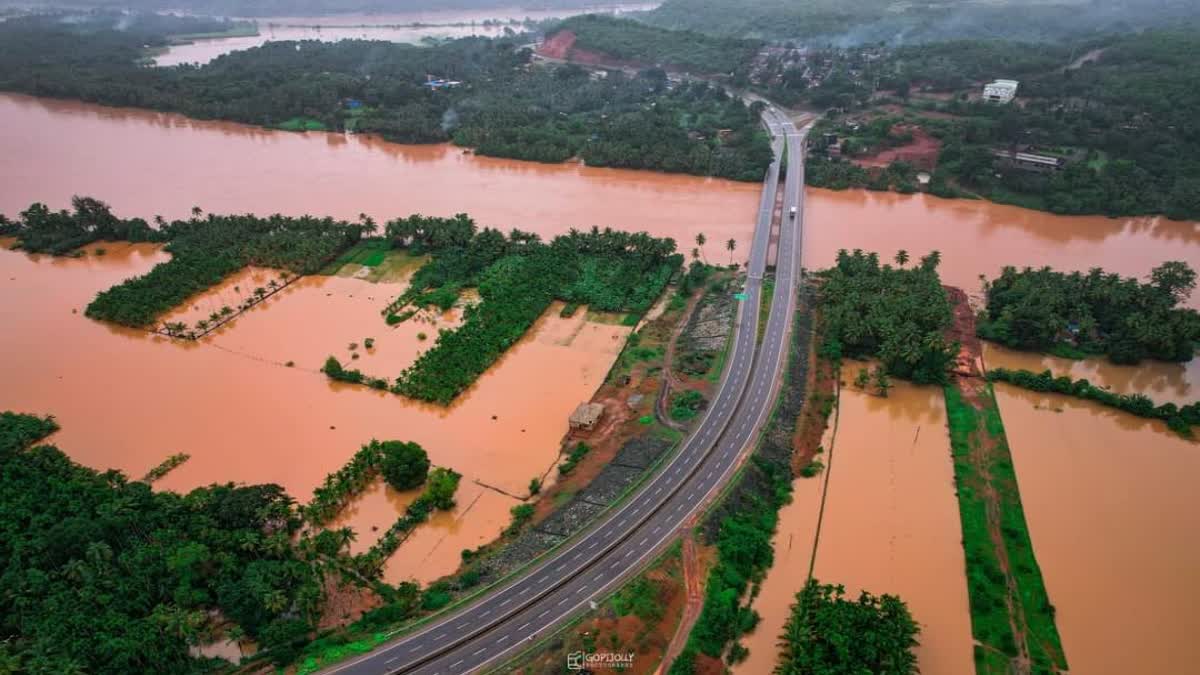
(976,237)
(400,27)
(890,525)
(127,400)
(1110,502)
(1177,383)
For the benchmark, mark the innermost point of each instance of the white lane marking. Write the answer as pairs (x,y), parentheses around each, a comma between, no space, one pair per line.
(391,659)
(479,651)
(483,615)
(506,601)
(563,601)
(543,614)
(456,664)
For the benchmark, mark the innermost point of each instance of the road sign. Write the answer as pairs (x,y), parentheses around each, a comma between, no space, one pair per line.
(739,296)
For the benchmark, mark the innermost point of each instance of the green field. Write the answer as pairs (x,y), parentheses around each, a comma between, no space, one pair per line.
(375,260)
(302,124)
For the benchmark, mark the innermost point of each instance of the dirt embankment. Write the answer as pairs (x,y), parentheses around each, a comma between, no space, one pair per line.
(561,46)
(922,151)
(1011,616)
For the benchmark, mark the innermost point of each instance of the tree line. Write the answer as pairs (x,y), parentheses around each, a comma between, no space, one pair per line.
(503,105)
(1097,312)
(896,314)
(105,575)
(827,632)
(1179,419)
(204,250)
(517,276)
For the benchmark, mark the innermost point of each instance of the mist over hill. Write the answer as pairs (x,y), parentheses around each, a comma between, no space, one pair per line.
(253,8)
(849,22)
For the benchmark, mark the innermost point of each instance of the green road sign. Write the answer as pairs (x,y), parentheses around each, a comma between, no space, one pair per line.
(739,296)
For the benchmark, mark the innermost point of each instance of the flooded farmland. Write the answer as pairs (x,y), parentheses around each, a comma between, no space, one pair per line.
(1098,485)
(890,525)
(1109,499)
(1177,383)
(128,399)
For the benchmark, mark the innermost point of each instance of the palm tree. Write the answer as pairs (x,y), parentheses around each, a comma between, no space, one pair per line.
(196,211)
(701,240)
(695,254)
(731,245)
(901,257)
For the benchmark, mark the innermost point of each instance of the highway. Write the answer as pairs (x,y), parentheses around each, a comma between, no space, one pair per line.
(510,618)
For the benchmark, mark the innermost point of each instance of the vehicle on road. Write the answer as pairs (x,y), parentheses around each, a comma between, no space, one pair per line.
(792,213)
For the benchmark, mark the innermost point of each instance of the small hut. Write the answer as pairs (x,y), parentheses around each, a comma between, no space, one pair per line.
(586,416)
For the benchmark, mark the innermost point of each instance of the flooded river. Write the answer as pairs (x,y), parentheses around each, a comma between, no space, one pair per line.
(411,27)
(977,237)
(127,400)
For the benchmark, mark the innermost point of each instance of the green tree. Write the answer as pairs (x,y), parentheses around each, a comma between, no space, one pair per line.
(404,465)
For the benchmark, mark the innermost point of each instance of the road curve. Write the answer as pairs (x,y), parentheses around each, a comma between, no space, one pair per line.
(507,619)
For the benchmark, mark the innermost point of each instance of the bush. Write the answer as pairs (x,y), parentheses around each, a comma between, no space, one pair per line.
(404,465)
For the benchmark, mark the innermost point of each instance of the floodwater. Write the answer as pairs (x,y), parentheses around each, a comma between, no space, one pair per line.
(890,525)
(1109,499)
(410,27)
(977,237)
(1177,383)
(146,164)
(127,399)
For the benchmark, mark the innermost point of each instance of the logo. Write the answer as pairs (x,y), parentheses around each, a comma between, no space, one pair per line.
(599,661)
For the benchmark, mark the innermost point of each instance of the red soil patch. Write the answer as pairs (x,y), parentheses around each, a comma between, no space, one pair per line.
(561,46)
(922,152)
(969,362)
(558,46)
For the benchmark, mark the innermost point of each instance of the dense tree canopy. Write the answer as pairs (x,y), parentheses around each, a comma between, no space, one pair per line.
(404,465)
(205,250)
(103,575)
(503,105)
(518,277)
(1098,312)
(895,314)
(829,634)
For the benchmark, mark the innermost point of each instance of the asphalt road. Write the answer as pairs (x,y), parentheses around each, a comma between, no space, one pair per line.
(491,630)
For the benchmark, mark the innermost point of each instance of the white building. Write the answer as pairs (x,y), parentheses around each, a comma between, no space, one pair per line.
(1000,91)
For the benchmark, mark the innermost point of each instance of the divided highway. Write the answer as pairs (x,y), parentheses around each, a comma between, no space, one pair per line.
(511,617)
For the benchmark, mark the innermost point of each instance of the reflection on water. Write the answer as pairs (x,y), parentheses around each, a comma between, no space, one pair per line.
(1109,499)
(1161,381)
(891,525)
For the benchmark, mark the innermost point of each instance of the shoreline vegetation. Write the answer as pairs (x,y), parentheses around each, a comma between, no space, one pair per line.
(130,578)
(1078,314)
(1179,419)
(487,95)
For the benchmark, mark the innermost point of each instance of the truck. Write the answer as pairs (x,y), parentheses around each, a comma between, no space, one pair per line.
(792,213)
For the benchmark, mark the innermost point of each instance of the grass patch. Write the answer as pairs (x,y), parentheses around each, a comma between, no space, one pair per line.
(302,124)
(986,583)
